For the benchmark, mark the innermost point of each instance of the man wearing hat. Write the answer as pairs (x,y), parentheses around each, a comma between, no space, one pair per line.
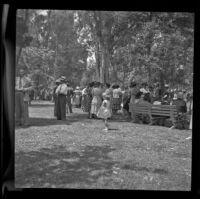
(22,88)
(61,92)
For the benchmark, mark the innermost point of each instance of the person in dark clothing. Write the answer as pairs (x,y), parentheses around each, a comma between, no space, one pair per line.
(31,96)
(125,101)
(180,103)
(182,109)
(55,96)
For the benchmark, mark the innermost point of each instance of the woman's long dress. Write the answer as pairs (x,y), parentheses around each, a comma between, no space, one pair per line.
(116,100)
(77,98)
(86,100)
(105,110)
(96,100)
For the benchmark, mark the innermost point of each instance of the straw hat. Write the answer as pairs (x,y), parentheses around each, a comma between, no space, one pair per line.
(63,79)
(58,81)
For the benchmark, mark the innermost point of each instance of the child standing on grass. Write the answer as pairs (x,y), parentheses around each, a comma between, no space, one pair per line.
(105,111)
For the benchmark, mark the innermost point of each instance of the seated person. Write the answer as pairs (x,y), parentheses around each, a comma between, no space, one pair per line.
(165,100)
(180,103)
(157,101)
(138,96)
(144,100)
(182,109)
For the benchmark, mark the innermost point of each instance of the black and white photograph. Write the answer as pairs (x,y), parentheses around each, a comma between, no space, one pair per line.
(103,99)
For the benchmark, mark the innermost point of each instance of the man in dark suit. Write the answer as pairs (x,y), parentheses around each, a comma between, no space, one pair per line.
(55,96)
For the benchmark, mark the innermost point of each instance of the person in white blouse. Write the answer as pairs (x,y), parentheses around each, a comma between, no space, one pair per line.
(61,93)
(22,88)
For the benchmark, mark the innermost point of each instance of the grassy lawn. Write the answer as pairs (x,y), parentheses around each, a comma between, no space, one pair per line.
(77,153)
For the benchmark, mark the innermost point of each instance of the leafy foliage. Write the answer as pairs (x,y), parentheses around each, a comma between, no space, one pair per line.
(107,46)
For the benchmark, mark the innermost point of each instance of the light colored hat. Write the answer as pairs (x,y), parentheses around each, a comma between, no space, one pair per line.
(77,87)
(58,81)
(63,78)
(167,85)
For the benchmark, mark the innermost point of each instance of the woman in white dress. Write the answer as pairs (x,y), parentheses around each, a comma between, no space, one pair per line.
(105,110)
(96,99)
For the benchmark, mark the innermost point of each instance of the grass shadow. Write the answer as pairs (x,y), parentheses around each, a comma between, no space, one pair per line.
(60,167)
(137,167)
(41,105)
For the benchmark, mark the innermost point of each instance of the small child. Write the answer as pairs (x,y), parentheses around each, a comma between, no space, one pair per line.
(105,110)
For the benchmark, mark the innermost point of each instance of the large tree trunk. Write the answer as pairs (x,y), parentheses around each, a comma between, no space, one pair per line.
(102,33)
(98,66)
(105,63)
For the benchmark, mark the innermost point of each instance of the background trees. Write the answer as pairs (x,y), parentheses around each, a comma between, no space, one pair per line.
(105,46)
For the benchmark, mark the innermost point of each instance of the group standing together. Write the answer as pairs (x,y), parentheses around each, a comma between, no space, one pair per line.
(95,94)
(101,100)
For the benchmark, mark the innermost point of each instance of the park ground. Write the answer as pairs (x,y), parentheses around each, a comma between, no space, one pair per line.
(77,153)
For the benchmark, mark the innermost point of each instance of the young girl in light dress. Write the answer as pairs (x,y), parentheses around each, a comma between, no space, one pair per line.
(105,110)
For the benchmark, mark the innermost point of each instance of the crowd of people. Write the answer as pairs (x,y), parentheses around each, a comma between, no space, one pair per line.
(103,100)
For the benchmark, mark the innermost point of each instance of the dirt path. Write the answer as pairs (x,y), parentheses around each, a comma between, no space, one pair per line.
(77,154)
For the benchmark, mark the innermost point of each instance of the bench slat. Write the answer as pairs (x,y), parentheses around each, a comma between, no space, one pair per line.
(153,109)
(153,105)
(165,108)
(157,110)
(165,112)
(141,112)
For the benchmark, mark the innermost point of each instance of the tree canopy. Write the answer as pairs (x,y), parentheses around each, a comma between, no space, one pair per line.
(108,46)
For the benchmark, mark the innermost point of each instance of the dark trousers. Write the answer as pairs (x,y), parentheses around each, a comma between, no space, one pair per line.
(21,109)
(69,104)
(61,107)
(55,106)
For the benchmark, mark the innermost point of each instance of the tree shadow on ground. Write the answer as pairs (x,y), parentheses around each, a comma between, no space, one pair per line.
(37,121)
(70,118)
(60,167)
(136,167)
(41,105)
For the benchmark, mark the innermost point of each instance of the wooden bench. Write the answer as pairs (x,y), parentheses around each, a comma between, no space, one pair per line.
(156,112)
(142,109)
(163,111)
